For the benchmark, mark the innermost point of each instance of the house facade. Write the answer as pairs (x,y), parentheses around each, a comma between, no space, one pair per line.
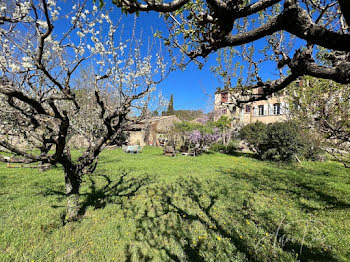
(273,109)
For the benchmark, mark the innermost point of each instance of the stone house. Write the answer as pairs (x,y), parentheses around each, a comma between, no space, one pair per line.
(271,110)
(154,131)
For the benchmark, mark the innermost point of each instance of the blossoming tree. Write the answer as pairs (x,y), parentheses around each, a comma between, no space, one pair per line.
(43,50)
(323,106)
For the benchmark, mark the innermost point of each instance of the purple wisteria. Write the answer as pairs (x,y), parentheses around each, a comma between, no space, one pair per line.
(204,138)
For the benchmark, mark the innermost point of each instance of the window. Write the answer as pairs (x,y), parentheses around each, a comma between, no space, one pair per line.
(224,97)
(261,110)
(224,111)
(277,109)
(247,109)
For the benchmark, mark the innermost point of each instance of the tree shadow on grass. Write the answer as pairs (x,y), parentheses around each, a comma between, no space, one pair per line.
(310,191)
(165,224)
(98,196)
(297,184)
(102,190)
(181,221)
(243,154)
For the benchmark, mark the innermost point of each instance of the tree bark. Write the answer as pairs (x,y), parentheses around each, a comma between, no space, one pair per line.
(72,183)
(345,9)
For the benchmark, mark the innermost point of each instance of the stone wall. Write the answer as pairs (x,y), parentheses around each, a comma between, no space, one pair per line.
(137,138)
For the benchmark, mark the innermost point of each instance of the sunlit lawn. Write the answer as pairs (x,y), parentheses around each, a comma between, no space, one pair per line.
(149,207)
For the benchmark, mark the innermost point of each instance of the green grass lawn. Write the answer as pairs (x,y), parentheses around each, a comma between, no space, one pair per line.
(149,207)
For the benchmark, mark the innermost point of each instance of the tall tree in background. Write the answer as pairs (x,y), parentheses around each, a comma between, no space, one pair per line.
(170,110)
(43,104)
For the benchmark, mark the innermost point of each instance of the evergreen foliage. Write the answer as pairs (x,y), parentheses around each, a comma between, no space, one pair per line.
(188,115)
(280,141)
(170,110)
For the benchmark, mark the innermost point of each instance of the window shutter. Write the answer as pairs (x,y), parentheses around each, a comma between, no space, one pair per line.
(255,110)
(266,109)
(242,112)
(287,108)
(283,108)
(270,109)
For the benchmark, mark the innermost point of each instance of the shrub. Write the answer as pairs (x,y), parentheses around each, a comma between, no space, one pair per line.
(281,141)
(254,134)
(231,148)
(218,147)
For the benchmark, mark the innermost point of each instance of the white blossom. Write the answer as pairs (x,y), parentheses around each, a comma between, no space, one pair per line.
(55,48)
(22,9)
(2,60)
(43,24)
(94,39)
(80,34)
(5,45)
(99,47)
(81,51)
(105,16)
(2,7)
(54,15)
(26,63)
(14,68)
(51,2)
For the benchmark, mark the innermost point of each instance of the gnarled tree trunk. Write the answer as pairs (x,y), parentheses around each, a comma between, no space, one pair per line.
(72,183)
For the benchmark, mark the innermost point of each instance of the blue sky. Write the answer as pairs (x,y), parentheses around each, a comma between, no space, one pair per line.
(187,86)
(194,88)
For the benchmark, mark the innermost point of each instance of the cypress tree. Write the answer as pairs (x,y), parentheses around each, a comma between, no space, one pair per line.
(170,110)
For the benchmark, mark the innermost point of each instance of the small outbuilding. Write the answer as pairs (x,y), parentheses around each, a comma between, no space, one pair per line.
(153,131)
